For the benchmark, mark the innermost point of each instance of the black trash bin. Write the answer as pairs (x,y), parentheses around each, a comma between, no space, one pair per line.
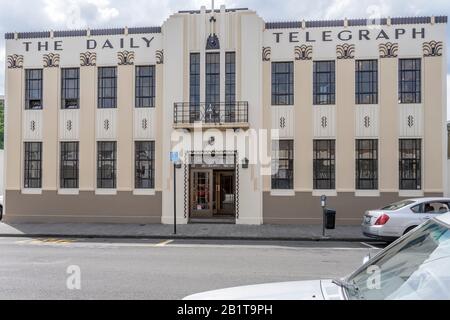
(330,219)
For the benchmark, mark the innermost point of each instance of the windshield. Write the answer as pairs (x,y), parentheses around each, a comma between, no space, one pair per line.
(397,205)
(416,267)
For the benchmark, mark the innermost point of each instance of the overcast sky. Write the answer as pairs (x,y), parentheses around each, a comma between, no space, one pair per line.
(39,15)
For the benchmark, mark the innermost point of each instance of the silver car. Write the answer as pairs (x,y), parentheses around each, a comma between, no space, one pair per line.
(397,219)
(414,267)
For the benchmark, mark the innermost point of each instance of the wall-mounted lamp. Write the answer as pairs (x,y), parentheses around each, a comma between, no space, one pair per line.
(245,163)
(178,165)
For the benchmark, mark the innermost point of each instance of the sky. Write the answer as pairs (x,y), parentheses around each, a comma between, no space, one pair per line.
(40,15)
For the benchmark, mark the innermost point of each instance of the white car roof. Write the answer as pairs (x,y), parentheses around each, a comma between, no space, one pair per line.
(428,199)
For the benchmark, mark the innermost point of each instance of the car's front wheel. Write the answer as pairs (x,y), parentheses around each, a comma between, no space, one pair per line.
(409,229)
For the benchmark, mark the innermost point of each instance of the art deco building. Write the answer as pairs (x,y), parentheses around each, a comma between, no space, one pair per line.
(357,109)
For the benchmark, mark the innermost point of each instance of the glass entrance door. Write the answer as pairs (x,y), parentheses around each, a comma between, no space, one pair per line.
(224,193)
(201,193)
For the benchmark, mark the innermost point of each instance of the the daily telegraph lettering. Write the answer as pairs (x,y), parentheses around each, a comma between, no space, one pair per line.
(92,44)
(279,37)
(348,35)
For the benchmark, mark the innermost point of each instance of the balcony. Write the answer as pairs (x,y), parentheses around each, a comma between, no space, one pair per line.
(212,115)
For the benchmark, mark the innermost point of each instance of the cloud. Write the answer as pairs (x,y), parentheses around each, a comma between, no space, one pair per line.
(74,13)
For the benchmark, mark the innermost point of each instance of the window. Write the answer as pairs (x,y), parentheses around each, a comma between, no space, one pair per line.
(33,89)
(324,82)
(409,77)
(194,87)
(324,164)
(367,164)
(145,86)
(410,164)
(282,83)
(283,164)
(107,87)
(145,164)
(106,164)
(70,88)
(212,87)
(230,86)
(69,165)
(366,82)
(33,165)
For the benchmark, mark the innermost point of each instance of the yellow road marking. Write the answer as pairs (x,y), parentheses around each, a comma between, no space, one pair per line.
(41,241)
(164,243)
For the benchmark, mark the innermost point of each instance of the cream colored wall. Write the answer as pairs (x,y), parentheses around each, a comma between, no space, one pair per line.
(159,127)
(303,164)
(434,121)
(125,143)
(88,106)
(266,112)
(388,140)
(13,134)
(50,163)
(345,141)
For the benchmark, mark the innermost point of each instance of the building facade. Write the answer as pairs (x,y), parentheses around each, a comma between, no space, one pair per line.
(351,109)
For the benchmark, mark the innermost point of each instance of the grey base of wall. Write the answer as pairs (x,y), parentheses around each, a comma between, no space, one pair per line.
(51,207)
(303,208)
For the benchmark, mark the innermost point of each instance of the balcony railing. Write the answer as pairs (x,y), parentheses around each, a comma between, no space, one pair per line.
(233,114)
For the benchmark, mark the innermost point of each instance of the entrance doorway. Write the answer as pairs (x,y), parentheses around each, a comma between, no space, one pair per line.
(212,194)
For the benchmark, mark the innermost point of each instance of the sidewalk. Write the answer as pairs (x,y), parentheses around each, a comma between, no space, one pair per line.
(190,231)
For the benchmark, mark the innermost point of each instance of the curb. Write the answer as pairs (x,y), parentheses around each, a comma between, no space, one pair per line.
(185,237)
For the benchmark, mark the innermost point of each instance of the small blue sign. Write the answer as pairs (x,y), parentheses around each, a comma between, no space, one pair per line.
(174,157)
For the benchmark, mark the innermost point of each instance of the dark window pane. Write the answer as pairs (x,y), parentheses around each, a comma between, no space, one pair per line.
(324,82)
(106,164)
(33,165)
(283,164)
(69,165)
(324,164)
(282,83)
(367,164)
(107,87)
(410,162)
(145,86)
(33,89)
(144,164)
(409,86)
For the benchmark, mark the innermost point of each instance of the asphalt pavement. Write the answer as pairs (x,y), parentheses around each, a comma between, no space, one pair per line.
(77,268)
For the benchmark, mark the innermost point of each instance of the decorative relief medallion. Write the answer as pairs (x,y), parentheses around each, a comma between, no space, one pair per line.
(126,58)
(367,121)
(266,52)
(303,52)
(33,125)
(15,61)
(282,122)
(411,121)
(144,124)
(324,122)
(69,125)
(51,60)
(106,124)
(345,51)
(159,56)
(213,42)
(388,50)
(88,59)
(432,49)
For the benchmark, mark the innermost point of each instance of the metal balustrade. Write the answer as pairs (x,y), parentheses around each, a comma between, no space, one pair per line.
(223,113)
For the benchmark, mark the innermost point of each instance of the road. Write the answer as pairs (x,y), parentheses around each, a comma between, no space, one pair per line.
(152,269)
